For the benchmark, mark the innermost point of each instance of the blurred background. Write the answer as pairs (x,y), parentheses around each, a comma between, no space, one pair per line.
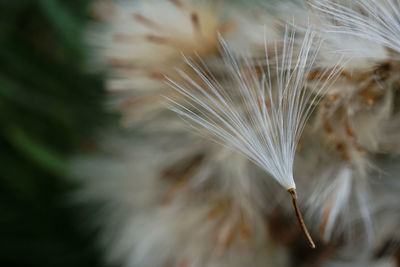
(50,106)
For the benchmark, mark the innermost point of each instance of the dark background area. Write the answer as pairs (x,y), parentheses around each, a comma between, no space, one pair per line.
(50,106)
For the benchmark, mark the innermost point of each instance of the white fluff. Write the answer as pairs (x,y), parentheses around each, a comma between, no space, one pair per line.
(261,117)
(372,20)
(202,225)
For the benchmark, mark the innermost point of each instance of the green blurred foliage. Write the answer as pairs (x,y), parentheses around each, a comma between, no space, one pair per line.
(50,105)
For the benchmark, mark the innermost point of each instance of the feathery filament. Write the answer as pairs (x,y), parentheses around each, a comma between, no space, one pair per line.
(372,20)
(259,110)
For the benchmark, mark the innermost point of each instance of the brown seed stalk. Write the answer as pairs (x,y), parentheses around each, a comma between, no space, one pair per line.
(292,192)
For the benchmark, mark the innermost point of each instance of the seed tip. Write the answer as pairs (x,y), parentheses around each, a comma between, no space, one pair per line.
(303,226)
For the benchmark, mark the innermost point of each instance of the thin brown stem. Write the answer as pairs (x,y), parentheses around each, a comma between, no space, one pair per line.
(292,192)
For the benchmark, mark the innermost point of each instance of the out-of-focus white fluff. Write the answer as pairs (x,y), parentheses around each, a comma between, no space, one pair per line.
(144,40)
(340,202)
(353,122)
(198,225)
(385,204)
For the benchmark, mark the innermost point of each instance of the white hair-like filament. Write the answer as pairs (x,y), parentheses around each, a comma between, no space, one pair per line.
(372,20)
(260,115)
